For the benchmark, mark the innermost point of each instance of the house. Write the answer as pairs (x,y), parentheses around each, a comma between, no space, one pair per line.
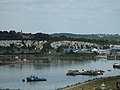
(101,51)
(104,51)
(94,50)
(115,50)
(67,50)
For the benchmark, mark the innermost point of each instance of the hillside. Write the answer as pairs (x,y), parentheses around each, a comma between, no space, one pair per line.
(19,42)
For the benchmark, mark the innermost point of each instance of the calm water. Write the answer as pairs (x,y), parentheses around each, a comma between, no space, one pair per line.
(11,76)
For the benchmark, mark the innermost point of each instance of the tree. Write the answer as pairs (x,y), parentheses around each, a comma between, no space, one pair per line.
(46,47)
(60,49)
(42,37)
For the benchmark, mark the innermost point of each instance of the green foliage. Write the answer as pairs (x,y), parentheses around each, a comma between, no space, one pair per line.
(46,47)
(11,35)
(41,37)
(60,49)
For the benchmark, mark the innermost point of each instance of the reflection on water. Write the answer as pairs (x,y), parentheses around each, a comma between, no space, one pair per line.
(41,66)
(55,72)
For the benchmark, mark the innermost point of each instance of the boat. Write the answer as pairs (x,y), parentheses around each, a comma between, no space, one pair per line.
(35,78)
(88,72)
(92,72)
(73,73)
(99,70)
(116,65)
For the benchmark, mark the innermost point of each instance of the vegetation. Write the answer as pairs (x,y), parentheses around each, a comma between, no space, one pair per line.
(46,47)
(9,35)
(110,83)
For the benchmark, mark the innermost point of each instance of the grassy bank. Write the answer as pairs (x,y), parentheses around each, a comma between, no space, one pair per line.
(110,83)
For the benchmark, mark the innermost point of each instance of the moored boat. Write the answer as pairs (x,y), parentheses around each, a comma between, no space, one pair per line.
(88,72)
(99,70)
(92,72)
(116,65)
(73,73)
(34,78)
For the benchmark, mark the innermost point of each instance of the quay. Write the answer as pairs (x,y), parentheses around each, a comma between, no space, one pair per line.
(113,57)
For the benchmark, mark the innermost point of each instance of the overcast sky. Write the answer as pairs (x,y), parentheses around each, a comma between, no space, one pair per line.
(61,16)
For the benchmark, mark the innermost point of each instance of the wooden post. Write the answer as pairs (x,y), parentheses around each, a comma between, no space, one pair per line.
(118,84)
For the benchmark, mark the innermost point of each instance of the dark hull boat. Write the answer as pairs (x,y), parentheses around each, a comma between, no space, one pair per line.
(92,72)
(116,65)
(89,72)
(34,78)
(73,73)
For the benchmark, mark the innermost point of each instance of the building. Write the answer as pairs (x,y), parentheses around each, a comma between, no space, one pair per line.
(115,50)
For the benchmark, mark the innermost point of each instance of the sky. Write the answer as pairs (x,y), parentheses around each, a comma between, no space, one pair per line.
(61,16)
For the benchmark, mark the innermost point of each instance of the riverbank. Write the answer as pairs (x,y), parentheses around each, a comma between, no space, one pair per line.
(110,83)
(81,56)
(49,57)
(13,62)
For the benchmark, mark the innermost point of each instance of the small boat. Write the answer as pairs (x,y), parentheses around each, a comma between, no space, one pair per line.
(73,73)
(34,78)
(109,70)
(116,65)
(99,70)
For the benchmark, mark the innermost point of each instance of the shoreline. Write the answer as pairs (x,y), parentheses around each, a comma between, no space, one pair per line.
(95,83)
(46,57)
(58,56)
(13,62)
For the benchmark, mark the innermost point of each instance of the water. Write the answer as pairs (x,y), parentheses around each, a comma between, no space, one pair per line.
(11,75)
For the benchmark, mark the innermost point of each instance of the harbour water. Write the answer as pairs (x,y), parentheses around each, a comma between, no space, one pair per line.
(11,75)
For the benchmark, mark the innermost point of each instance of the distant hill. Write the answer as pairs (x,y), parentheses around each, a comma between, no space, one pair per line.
(13,35)
(88,36)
